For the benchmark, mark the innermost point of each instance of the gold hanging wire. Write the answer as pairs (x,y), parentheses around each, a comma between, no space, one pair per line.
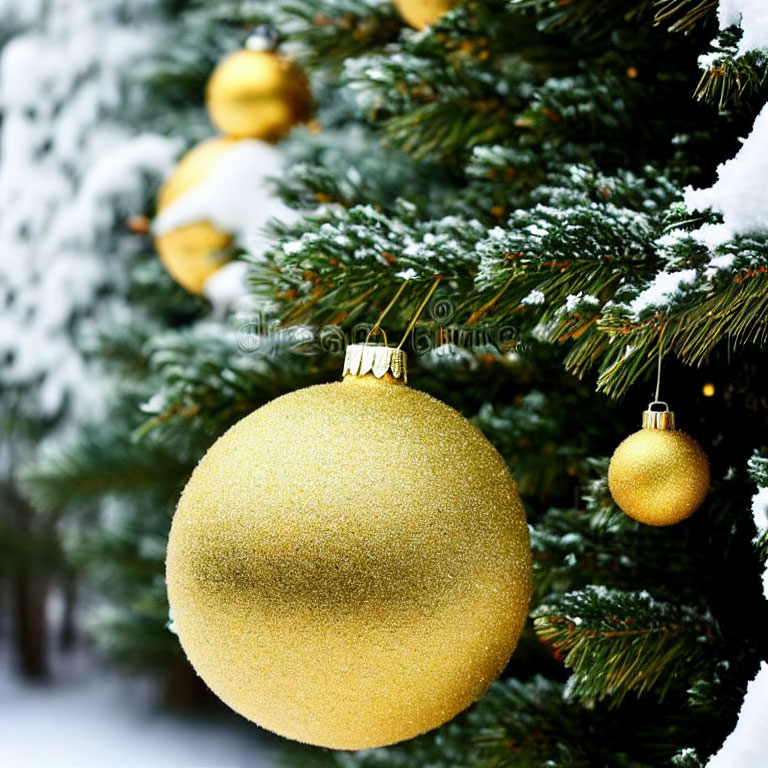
(377,326)
(658,368)
(416,316)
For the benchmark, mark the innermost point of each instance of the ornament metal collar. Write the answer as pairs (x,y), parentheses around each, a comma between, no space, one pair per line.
(362,359)
(658,418)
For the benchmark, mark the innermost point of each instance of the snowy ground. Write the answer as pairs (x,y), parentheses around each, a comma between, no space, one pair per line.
(88,718)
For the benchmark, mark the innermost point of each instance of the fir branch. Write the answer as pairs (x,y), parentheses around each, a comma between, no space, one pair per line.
(127,563)
(103,461)
(728,81)
(443,110)
(684,15)
(585,18)
(528,433)
(623,642)
(207,380)
(758,469)
(529,724)
(568,553)
(604,514)
(569,266)
(572,268)
(758,473)
(735,313)
(348,166)
(578,237)
(738,312)
(687,758)
(728,78)
(327,34)
(729,306)
(574,547)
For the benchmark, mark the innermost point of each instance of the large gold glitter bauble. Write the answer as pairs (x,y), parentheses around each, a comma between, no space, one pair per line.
(258,95)
(193,252)
(349,566)
(659,475)
(422,13)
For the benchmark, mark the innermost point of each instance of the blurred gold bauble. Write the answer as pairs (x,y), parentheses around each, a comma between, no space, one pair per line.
(422,13)
(659,475)
(258,95)
(349,566)
(193,252)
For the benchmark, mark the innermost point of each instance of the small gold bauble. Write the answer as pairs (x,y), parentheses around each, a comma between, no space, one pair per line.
(349,566)
(193,252)
(258,95)
(659,475)
(422,13)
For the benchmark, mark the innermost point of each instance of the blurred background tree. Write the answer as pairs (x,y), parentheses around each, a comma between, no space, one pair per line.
(69,170)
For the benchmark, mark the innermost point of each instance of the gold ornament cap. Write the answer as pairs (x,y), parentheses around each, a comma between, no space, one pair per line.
(376,359)
(658,418)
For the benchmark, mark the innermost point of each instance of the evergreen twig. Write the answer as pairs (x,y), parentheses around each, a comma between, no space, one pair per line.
(623,642)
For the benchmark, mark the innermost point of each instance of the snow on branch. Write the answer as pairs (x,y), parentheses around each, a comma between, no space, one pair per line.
(751,16)
(739,192)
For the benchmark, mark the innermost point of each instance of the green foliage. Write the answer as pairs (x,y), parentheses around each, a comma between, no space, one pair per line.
(621,642)
(758,469)
(583,251)
(426,100)
(517,724)
(684,15)
(326,34)
(585,18)
(105,461)
(758,472)
(687,758)
(123,556)
(729,79)
(528,431)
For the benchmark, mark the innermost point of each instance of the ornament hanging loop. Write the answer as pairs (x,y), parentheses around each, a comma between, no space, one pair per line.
(658,367)
(375,331)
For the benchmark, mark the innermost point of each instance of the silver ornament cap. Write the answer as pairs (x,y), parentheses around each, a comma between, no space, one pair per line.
(658,416)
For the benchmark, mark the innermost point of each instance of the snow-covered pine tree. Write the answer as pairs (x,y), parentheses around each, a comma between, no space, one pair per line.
(555,165)
(70,170)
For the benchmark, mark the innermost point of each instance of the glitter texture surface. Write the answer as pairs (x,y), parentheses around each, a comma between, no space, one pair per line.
(349,566)
(659,476)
